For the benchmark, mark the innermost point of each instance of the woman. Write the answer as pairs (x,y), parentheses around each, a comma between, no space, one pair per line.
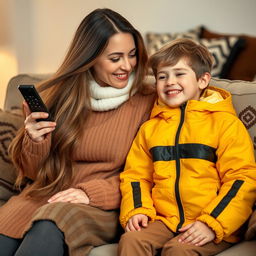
(70,167)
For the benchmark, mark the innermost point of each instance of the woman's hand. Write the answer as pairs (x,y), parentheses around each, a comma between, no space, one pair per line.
(37,130)
(71,195)
(136,222)
(197,233)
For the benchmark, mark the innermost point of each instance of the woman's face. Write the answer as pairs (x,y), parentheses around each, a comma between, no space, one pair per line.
(114,66)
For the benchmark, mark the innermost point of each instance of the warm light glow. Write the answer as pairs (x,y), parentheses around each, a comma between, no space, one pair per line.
(8,68)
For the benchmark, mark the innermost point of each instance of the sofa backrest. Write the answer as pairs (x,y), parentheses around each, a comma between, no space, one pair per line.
(13,99)
(243,95)
(244,99)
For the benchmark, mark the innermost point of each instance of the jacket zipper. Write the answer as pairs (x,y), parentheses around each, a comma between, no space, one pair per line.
(177,158)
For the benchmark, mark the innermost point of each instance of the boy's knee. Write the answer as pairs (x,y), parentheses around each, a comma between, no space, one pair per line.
(133,243)
(175,247)
(129,238)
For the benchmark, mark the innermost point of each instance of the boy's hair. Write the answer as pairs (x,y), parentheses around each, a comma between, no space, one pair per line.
(197,55)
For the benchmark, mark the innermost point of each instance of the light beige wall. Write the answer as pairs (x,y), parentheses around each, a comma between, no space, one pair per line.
(8,64)
(54,21)
(39,31)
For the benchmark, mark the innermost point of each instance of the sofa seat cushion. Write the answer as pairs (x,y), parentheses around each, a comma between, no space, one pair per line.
(246,248)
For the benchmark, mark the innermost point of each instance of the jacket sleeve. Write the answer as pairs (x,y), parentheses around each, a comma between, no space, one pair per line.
(136,182)
(33,154)
(237,170)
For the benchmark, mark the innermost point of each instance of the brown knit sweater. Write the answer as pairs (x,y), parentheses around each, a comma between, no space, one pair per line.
(99,157)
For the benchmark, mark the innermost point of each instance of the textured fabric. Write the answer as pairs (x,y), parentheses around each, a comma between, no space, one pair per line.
(107,98)
(180,180)
(9,124)
(99,156)
(150,240)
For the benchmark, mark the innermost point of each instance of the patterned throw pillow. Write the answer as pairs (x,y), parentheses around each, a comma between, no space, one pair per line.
(9,124)
(243,67)
(224,50)
(156,40)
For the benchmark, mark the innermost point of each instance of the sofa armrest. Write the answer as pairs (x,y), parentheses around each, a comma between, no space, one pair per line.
(9,125)
(13,99)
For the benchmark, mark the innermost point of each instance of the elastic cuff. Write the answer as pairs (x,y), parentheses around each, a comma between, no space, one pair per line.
(214,225)
(36,148)
(149,212)
(94,192)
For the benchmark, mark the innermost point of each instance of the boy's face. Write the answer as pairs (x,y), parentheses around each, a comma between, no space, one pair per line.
(178,84)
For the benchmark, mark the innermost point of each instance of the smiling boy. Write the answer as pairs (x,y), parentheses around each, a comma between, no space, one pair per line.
(189,180)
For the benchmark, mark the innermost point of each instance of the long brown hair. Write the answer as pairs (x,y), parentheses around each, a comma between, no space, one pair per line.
(66,95)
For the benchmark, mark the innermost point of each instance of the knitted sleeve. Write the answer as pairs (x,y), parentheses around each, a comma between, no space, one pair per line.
(33,154)
(103,193)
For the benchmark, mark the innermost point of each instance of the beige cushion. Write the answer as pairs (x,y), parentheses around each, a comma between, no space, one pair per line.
(9,124)
(104,250)
(244,100)
(246,248)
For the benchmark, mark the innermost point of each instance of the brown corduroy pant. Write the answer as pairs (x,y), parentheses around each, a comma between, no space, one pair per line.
(149,241)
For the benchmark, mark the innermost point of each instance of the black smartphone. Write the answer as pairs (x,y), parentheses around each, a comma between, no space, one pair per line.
(34,100)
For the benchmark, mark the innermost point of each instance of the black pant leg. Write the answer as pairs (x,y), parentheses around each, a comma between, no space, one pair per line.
(8,245)
(44,238)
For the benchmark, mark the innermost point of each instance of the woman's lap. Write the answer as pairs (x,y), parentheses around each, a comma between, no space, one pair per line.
(83,226)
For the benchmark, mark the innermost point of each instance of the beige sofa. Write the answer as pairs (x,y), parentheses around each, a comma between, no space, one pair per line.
(244,98)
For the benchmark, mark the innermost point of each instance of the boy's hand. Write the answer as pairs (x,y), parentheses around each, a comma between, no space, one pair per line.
(136,222)
(197,233)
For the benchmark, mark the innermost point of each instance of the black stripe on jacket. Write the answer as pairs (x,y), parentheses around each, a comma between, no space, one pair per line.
(136,192)
(189,150)
(227,198)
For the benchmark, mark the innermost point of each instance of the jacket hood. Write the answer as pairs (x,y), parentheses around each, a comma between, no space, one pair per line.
(214,99)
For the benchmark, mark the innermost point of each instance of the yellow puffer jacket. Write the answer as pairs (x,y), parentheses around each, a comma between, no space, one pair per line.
(192,163)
